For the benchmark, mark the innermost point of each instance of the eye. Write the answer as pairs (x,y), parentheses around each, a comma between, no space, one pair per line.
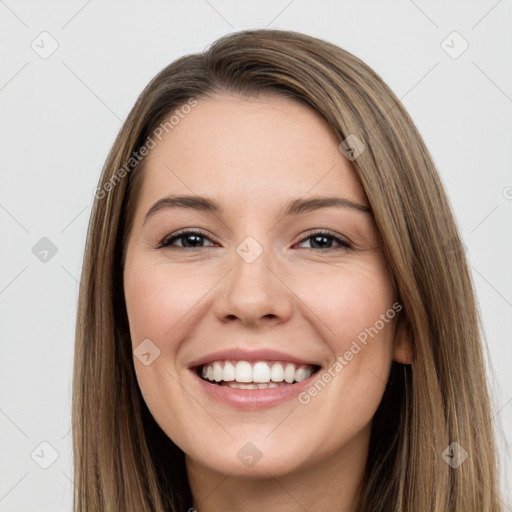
(190,237)
(324,237)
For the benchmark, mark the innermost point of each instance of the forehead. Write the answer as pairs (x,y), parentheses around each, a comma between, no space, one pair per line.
(249,151)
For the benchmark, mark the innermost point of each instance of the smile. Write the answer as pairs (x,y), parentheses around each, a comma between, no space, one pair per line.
(255,375)
(252,379)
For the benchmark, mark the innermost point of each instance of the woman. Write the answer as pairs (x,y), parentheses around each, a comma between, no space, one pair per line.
(221,363)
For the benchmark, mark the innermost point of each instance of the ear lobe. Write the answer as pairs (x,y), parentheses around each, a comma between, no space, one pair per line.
(403,346)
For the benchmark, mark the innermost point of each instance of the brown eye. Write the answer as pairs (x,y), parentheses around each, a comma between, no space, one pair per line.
(323,238)
(191,239)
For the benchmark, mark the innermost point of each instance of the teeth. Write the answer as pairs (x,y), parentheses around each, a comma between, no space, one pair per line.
(276,372)
(259,375)
(300,374)
(263,385)
(237,385)
(228,374)
(289,373)
(261,372)
(243,372)
(217,372)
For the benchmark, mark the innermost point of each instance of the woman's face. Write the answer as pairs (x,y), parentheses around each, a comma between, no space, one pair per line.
(257,294)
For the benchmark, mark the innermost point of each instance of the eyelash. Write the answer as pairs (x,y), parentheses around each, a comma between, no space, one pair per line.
(168,240)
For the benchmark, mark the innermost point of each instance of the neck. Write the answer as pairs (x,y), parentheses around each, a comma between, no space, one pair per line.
(330,484)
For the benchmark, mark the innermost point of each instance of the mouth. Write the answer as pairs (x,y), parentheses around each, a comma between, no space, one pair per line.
(255,374)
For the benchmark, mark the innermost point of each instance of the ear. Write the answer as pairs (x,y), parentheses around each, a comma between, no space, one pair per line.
(403,345)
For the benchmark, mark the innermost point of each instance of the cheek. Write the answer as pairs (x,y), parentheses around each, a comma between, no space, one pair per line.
(347,301)
(160,301)
(160,306)
(354,307)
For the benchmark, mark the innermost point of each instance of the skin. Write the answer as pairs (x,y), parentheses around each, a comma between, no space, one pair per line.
(253,154)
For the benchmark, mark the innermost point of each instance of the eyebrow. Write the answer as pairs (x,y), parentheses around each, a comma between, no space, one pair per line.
(293,207)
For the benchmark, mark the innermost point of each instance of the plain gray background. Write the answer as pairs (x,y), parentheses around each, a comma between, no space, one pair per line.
(61,112)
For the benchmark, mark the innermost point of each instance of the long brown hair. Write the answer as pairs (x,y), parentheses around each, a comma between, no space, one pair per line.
(124,461)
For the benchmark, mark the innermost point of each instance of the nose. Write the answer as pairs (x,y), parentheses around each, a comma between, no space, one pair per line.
(254,292)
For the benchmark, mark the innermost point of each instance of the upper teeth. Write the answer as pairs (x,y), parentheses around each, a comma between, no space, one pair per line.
(261,371)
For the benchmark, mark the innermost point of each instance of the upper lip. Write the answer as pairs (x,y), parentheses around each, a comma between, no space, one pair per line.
(261,354)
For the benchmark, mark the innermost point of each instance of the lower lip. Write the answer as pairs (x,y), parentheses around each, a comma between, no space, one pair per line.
(253,399)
